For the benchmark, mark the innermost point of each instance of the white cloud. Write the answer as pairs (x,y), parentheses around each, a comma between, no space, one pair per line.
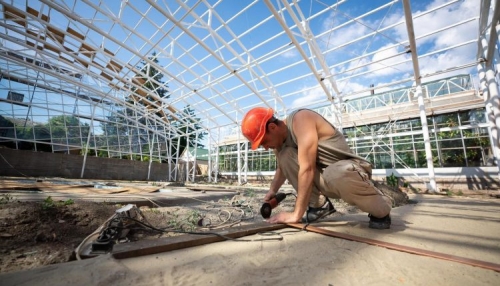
(426,24)
(444,17)
(292,53)
(387,61)
(388,67)
(310,95)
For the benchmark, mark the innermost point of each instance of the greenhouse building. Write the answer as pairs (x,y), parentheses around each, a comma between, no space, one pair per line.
(122,89)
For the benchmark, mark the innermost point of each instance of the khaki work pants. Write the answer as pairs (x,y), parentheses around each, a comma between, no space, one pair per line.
(349,180)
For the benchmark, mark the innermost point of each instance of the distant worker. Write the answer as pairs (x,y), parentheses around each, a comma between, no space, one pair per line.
(317,161)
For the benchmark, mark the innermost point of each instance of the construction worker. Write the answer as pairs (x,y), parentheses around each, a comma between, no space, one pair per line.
(316,160)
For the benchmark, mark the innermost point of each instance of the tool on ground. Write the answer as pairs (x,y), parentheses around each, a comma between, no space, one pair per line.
(115,229)
(267,207)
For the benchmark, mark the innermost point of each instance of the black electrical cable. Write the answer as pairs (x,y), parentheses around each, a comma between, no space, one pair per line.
(279,238)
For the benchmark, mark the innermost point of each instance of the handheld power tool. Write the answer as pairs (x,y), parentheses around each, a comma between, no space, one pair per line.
(267,207)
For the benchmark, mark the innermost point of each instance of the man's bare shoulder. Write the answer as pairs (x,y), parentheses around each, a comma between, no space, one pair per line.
(305,112)
(306,115)
(304,120)
(307,121)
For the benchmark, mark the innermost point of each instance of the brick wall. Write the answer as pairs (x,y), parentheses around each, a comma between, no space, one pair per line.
(41,164)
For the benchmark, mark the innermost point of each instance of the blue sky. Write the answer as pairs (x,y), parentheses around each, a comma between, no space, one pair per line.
(273,72)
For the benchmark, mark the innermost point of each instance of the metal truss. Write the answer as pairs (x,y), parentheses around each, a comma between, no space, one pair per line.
(221,58)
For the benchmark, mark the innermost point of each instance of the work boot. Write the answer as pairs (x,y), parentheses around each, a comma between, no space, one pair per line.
(313,214)
(380,223)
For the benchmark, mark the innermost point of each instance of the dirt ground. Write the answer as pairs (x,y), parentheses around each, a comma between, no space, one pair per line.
(34,234)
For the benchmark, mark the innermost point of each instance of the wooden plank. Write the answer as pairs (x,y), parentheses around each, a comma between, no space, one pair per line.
(66,60)
(108,52)
(87,50)
(84,63)
(14,14)
(148,247)
(36,34)
(75,33)
(114,66)
(212,189)
(55,34)
(398,247)
(106,76)
(51,48)
(76,189)
(36,13)
(29,43)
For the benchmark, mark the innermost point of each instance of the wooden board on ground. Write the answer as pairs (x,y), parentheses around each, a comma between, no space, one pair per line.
(79,189)
(148,247)
(209,189)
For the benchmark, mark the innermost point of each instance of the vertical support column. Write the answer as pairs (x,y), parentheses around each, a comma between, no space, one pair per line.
(194,159)
(176,167)
(216,171)
(490,117)
(427,142)
(169,154)
(488,81)
(151,144)
(489,84)
(91,129)
(188,157)
(246,161)
(423,118)
(209,171)
(239,159)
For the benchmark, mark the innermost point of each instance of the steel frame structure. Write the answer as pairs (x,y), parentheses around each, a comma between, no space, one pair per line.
(221,58)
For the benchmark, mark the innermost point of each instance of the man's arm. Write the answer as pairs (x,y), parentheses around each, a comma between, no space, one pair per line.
(278,180)
(306,134)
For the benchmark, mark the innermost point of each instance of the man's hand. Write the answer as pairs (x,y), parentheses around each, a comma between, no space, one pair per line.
(269,196)
(283,217)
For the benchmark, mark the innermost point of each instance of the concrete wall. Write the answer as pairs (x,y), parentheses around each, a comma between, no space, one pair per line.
(40,164)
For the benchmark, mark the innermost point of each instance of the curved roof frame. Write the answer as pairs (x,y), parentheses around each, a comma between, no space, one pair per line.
(223,57)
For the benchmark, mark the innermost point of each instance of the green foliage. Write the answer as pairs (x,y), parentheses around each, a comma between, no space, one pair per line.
(153,78)
(68,127)
(155,211)
(68,202)
(392,180)
(192,218)
(188,123)
(449,193)
(173,222)
(249,193)
(6,198)
(188,222)
(49,203)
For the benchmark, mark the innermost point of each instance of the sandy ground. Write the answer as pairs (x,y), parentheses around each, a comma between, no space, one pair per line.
(465,227)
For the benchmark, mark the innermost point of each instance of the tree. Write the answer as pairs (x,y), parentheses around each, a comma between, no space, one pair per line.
(67,130)
(188,124)
(153,87)
(70,127)
(121,132)
(121,128)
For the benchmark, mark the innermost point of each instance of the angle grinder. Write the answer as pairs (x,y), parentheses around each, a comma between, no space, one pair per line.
(267,207)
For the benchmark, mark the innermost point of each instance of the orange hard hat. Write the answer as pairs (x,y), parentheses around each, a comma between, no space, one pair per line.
(253,125)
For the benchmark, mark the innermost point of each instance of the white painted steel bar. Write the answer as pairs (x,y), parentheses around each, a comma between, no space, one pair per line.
(423,117)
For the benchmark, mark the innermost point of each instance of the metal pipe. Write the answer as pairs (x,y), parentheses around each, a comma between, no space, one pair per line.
(299,49)
(493,34)
(88,142)
(423,117)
